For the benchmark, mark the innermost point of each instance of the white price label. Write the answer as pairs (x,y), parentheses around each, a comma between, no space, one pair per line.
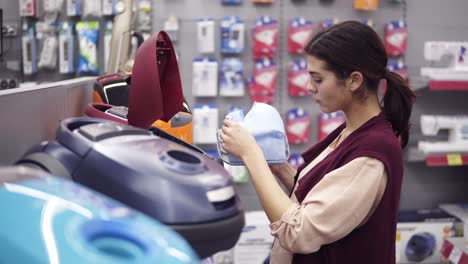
(455,255)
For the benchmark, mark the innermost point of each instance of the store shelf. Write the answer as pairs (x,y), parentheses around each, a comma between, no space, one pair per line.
(439,85)
(413,154)
(455,250)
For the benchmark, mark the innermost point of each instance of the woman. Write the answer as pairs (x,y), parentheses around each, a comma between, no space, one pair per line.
(343,201)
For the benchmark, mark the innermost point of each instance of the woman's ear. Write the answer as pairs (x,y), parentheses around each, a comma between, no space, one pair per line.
(355,81)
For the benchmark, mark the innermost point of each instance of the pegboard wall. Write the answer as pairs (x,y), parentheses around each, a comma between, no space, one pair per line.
(189,11)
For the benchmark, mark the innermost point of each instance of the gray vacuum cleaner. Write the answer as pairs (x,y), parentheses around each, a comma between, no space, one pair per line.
(176,185)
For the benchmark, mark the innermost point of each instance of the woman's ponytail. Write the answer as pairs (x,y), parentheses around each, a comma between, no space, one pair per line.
(398,104)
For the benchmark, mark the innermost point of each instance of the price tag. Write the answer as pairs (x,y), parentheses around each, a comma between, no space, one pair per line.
(455,255)
(454,160)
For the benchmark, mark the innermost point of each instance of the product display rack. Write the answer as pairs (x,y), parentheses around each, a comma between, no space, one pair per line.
(438,85)
(413,154)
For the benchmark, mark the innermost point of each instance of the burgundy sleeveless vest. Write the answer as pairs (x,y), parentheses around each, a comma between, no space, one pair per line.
(374,242)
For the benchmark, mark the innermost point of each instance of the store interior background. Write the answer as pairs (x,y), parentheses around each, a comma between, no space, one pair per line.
(31,115)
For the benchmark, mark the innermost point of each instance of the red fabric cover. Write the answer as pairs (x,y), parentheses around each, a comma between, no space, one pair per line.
(156,89)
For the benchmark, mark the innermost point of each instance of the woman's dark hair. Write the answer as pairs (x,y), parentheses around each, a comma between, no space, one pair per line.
(352,46)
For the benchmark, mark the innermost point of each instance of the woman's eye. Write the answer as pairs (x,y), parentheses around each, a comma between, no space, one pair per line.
(317,80)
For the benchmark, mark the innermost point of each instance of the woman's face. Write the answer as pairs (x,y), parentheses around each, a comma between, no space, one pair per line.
(328,91)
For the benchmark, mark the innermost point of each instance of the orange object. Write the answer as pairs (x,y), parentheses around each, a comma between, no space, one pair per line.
(96,97)
(367,5)
(180,126)
(263,1)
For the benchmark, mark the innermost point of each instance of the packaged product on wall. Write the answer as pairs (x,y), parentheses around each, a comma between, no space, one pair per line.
(366,5)
(297,126)
(399,67)
(205,123)
(265,38)
(28,8)
(92,8)
(74,8)
(88,35)
(295,160)
(171,26)
(328,22)
(329,122)
(298,78)
(48,37)
(396,38)
(66,48)
(29,48)
(299,34)
(206,35)
(232,35)
(205,77)
(143,19)
(231,81)
(232,2)
(262,85)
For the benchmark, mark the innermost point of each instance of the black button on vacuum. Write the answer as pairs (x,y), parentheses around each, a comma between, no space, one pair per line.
(101,131)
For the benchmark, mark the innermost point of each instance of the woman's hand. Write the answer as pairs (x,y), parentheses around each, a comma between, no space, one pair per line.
(236,140)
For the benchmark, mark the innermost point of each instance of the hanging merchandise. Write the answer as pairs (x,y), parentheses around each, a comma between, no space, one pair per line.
(171,27)
(299,34)
(295,160)
(232,2)
(88,35)
(108,7)
(28,8)
(262,85)
(298,78)
(262,1)
(231,79)
(368,22)
(366,5)
(205,77)
(107,44)
(52,9)
(205,123)
(206,36)
(92,8)
(74,7)
(329,122)
(399,67)
(396,38)
(66,49)
(48,56)
(265,38)
(143,21)
(297,126)
(328,22)
(232,35)
(29,47)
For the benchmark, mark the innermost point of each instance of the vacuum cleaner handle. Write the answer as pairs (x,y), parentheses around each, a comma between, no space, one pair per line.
(163,134)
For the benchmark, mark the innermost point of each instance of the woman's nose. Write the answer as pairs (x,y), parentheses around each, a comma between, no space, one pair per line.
(310,87)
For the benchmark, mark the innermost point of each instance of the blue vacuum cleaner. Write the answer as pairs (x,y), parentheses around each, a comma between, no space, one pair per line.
(49,219)
(178,186)
(420,246)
